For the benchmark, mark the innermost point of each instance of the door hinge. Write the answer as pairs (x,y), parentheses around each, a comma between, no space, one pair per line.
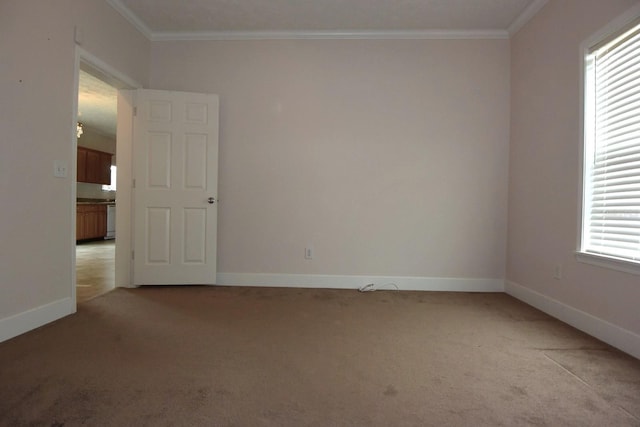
(133,254)
(135,111)
(133,185)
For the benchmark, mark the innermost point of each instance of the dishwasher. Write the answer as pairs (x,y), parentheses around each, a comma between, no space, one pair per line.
(111,222)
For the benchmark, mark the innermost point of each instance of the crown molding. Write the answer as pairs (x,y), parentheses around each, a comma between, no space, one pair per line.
(526,16)
(331,35)
(515,26)
(132,18)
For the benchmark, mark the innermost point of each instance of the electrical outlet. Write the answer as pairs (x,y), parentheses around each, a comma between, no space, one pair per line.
(557,272)
(308,252)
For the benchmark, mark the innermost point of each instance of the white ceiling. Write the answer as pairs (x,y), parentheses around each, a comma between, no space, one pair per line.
(97,104)
(163,19)
(210,19)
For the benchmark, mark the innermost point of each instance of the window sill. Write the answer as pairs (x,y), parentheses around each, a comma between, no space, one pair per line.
(609,262)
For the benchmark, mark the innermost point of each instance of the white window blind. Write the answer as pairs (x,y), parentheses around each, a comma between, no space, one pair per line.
(611,214)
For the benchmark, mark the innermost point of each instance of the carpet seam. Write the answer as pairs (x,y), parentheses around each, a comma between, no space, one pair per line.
(589,386)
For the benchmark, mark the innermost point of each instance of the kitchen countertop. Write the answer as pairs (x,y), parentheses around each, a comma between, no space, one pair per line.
(81,201)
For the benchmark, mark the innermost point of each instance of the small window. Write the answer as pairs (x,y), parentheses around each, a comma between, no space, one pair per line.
(611,180)
(112,186)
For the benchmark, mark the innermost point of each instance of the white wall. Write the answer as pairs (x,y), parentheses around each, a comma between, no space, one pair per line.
(37,126)
(97,140)
(389,157)
(85,190)
(544,177)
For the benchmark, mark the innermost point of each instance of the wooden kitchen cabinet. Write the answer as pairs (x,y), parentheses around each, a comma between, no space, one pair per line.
(82,164)
(91,221)
(94,166)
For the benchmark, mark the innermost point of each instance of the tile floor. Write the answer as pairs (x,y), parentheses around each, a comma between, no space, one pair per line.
(95,269)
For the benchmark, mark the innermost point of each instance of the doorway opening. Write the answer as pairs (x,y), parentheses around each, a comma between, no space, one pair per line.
(104,111)
(95,184)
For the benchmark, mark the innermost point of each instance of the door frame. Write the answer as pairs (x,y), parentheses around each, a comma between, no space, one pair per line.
(124,138)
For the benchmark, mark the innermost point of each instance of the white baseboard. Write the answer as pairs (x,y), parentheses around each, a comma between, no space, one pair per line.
(354,282)
(23,322)
(614,335)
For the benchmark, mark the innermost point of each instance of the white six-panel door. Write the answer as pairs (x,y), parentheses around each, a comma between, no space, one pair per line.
(175,169)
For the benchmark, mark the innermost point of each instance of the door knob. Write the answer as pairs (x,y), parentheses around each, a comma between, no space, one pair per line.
(211,200)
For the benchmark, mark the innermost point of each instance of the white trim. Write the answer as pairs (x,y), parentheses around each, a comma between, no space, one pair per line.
(528,14)
(330,35)
(608,262)
(115,77)
(131,17)
(23,322)
(582,152)
(613,26)
(74,172)
(515,26)
(354,282)
(120,81)
(614,335)
(432,34)
(124,207)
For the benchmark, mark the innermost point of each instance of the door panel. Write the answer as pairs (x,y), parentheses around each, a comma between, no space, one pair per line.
(195,220)
(158,233)
(175,152)
(158,156)
(195,162)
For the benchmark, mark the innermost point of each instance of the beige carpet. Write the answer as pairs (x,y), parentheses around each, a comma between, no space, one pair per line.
(216,356)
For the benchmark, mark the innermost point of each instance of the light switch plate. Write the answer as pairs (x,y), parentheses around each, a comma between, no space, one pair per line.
(59,169)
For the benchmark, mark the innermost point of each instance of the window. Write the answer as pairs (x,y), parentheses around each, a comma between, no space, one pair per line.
(112,186)
(611,180)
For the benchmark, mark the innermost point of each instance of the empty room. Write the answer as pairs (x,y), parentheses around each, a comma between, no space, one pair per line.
(328,213)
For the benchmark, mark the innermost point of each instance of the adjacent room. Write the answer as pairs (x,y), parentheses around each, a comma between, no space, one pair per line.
(96,175)
(327,213)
